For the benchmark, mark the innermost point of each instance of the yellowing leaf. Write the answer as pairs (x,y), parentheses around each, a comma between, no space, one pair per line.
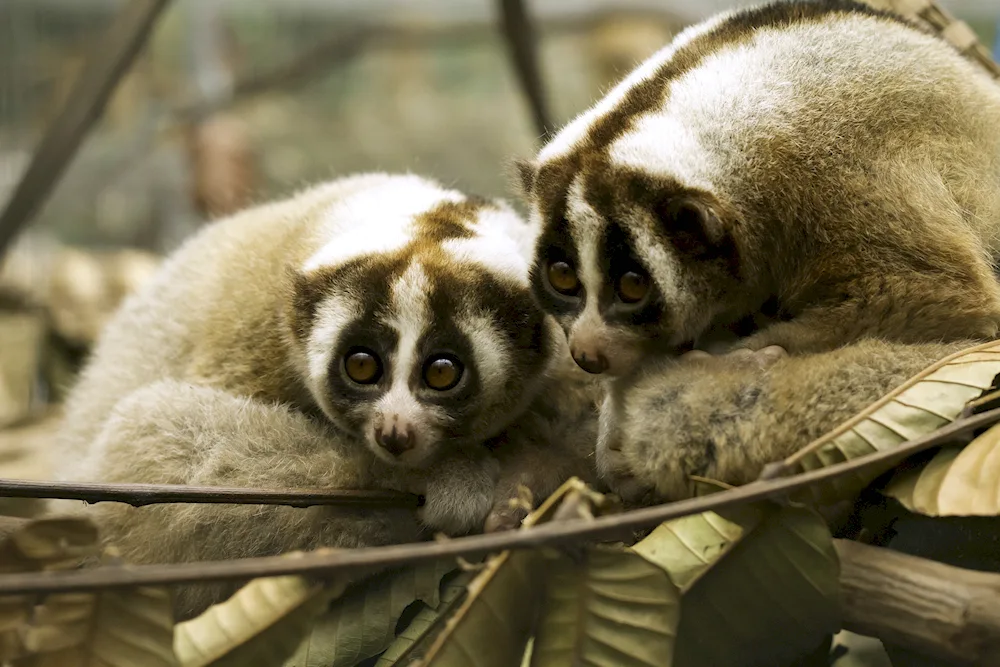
(744,573)
(362,624)
(261,625)
(926,402)
(615,608)
(958,481)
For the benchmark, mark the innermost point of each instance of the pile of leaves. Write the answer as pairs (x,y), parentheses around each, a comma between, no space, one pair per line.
(741,584)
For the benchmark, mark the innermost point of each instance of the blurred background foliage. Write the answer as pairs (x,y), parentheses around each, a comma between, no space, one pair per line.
(238,101)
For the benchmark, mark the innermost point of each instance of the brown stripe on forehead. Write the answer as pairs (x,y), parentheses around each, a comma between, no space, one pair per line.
(370,276)
(449,220)
(590,155)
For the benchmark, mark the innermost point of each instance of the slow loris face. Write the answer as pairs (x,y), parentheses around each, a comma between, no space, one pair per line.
(629,265)
(418,323)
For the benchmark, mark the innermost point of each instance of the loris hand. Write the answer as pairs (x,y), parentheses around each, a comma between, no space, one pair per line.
(663,426)
(459,494)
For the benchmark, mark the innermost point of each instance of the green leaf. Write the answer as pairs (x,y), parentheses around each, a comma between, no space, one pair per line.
(743,574)
(958,481)
(492,626)
(261,625)
(930,400)
(362,624)
(421,628)
(494,622)
(613,609)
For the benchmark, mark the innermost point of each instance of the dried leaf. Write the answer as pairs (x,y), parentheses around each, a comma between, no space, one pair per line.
(614,608)
(362,624)
(262,624)
(930,400)
(117,628)
(744,573)
(958,481)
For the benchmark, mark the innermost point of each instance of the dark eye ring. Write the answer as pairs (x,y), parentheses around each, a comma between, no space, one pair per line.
(362,366)
(443,372)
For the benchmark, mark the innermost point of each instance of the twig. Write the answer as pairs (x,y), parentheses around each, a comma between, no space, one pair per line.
(138,495)
(84,105)
(325,562)
(943,611)
(519,33)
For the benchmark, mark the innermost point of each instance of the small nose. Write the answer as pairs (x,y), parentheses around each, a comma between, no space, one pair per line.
(400,439)
(592,361)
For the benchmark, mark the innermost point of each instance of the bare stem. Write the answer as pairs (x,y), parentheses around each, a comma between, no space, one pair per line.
(138,495)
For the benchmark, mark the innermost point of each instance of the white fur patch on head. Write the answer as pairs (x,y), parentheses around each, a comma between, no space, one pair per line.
(662,144)
(574,132)
(376,219)
(501,243)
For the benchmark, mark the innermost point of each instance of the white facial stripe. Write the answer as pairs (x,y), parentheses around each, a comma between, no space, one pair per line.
(587,230)
(491,352)
(377,219)
(333,314)
(498,244)
(411,314)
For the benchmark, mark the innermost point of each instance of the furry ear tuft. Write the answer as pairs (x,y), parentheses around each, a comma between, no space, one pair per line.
(694,226)
(522,176)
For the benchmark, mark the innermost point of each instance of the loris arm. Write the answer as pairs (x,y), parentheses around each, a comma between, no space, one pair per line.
(178,433)
(726,418)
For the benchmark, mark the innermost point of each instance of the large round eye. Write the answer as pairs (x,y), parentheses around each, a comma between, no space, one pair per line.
(442,372)
(563,278)
(363,366)
(633,287)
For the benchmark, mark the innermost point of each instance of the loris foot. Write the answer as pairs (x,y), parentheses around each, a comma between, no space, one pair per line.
(617,469)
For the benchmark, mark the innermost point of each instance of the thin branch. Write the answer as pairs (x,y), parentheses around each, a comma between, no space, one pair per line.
(943,611)
(84,105)
(324,562)
(519,33)
(138,495)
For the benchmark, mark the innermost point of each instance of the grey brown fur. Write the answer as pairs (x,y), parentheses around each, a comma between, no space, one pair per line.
(215,374)
(826,169)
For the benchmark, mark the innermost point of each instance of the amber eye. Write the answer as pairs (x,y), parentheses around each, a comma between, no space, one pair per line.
(563,278)
(442,373)
(632,287)
(362,366)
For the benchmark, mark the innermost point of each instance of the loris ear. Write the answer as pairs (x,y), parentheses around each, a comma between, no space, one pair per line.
(694,225)
(522,174)
(302,295)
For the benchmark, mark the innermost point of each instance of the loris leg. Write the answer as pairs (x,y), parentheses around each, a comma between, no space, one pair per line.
(725,418)
(907,308)
(177,433)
